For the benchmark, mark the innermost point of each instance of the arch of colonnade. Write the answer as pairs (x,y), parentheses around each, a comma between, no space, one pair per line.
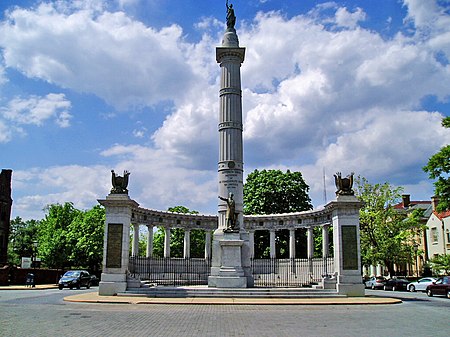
(306,220)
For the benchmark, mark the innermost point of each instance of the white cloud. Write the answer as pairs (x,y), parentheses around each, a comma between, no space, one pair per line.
(108,54)
(34,110)
(313,97)
(44,186)
(349,20)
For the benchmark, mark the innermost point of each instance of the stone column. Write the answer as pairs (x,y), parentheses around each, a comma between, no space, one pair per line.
(187,243)
(166,242)
(135,248)
(251,243)
(230,264)
(325,241)
(346,242)
(273,251)
(116,244)
(207,244)
(149,252)
(292,243)
(310,242)
(379,270)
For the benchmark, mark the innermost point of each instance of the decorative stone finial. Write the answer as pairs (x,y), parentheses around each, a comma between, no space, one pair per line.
(119,183)
(344,185)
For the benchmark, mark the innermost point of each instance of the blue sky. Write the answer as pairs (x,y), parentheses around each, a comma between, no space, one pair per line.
(88,86)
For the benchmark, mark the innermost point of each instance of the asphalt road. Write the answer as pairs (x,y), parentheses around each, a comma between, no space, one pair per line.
(44,313)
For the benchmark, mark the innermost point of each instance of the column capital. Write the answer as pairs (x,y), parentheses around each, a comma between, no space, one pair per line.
(223,52)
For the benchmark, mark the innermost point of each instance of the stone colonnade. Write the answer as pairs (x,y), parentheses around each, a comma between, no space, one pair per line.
(167,241)
(208,232)
(342,215)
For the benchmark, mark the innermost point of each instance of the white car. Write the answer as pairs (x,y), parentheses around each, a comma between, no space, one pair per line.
(375,282)
(420,285)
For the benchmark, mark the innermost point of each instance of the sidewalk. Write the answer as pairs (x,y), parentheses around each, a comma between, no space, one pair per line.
(93,297)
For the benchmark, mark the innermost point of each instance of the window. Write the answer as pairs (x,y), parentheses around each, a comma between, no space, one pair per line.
(448,237)
(434,235)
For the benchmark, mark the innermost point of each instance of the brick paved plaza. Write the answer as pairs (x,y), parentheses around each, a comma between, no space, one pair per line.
(44,313)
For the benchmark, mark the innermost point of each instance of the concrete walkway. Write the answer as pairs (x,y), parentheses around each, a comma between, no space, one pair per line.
(93,297)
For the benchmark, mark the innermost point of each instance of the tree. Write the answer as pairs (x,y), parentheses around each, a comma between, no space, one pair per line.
(69,237)
(55,246)
(385,232)
(441,263)
(274,192)
(21,238)
(438,167)
(86,231)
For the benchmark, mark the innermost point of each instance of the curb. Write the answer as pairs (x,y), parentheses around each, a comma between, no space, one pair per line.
(95,298)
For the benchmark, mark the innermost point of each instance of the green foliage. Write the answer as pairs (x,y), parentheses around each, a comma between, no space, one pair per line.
(21,237)
(86,233)
(54,244)
(69,237)
(438,167)
(441,263)
(275,192)
(385,232)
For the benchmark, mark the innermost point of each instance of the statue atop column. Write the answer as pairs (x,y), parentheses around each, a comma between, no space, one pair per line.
(231,215)
(119,183)
(344,185)
(231,18)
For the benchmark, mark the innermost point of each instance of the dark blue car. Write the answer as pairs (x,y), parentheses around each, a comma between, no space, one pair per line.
(75,279)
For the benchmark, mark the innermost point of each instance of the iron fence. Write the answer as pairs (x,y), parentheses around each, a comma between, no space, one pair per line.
(170,271)
(290,272)
(266,272)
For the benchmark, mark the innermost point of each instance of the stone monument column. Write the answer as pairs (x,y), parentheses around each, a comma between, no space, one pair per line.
(230,251)
(346,241)
(116,244)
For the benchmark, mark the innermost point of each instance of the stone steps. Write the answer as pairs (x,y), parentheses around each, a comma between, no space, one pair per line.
(178,292)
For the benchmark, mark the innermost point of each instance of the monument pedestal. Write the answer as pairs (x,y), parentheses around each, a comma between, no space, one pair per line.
(227,271)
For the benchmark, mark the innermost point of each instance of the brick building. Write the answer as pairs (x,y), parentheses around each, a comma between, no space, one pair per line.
(5,213)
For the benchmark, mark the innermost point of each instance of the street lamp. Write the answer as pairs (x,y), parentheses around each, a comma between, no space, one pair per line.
(416,248)
(34,255)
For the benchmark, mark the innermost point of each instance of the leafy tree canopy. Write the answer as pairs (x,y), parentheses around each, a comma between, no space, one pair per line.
(275,192)
(441,264)
(438,167)
(21,237)
(385,232)
(69,237)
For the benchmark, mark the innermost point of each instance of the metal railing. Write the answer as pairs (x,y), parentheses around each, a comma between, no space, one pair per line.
(170,271)
(266,272)
(290,272)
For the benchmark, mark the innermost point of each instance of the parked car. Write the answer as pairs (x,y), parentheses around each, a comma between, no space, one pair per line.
(440,287)
(94,280)
(375,282)
(420,285)
(396,284)
(75,279)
